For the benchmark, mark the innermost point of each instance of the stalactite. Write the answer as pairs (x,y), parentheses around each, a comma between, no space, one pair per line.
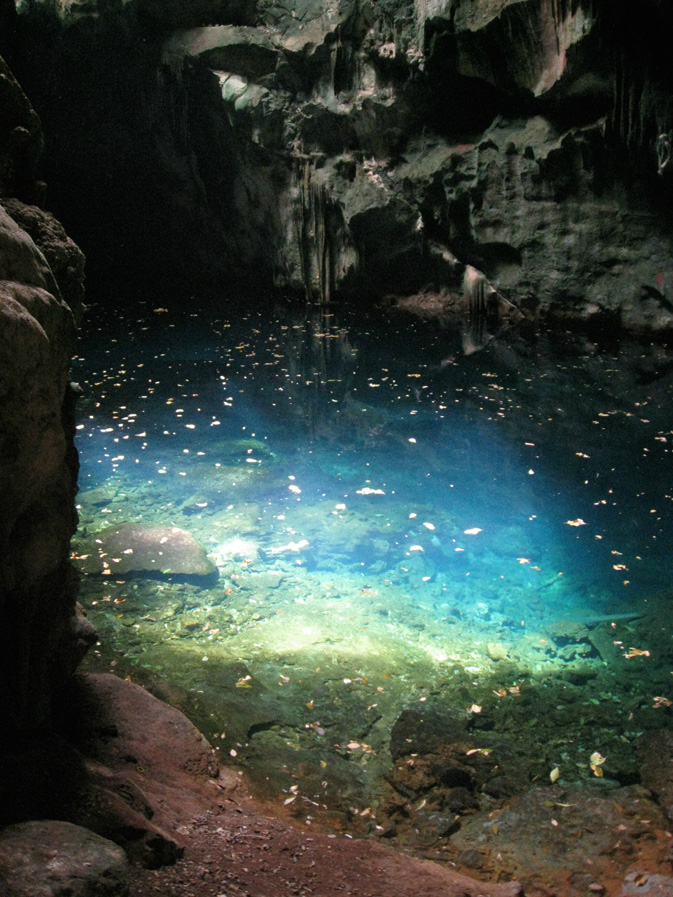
(642,110)
(476,291)
(311,225)
(324,247)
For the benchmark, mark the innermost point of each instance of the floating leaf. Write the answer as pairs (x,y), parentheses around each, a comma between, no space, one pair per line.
(662,702)
(554,774)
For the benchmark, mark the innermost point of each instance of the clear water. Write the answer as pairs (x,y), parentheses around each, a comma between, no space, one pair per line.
(386,513)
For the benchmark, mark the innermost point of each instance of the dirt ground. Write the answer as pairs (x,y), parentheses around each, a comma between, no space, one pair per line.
(155,787)
(243,853)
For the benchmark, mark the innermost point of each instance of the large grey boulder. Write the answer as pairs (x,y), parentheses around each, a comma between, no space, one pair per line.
(50,859)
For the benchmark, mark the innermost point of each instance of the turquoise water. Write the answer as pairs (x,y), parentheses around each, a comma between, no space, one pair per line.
(526,466)
(396,518)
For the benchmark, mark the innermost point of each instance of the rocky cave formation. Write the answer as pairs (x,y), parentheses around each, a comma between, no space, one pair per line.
(433,153)
(42,637)
(363,148)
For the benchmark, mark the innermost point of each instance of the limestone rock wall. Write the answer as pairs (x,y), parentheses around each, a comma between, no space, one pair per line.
(367,147)
(42,636)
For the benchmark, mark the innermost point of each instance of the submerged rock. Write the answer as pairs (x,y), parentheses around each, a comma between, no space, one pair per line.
(134,548)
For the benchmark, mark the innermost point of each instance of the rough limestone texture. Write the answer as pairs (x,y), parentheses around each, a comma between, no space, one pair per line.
(21,139)
(52,859)
(430,149)
(43,633)
(39,627)
(134,548)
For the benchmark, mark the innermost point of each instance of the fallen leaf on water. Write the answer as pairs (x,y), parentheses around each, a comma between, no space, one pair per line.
(473,531)
(578,522)
(662,702)
(636,652)
(554,774)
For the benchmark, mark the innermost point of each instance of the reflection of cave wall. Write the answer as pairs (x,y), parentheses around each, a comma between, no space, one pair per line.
(519,136)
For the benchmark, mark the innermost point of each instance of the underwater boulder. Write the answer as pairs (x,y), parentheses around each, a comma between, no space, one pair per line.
(138,548)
